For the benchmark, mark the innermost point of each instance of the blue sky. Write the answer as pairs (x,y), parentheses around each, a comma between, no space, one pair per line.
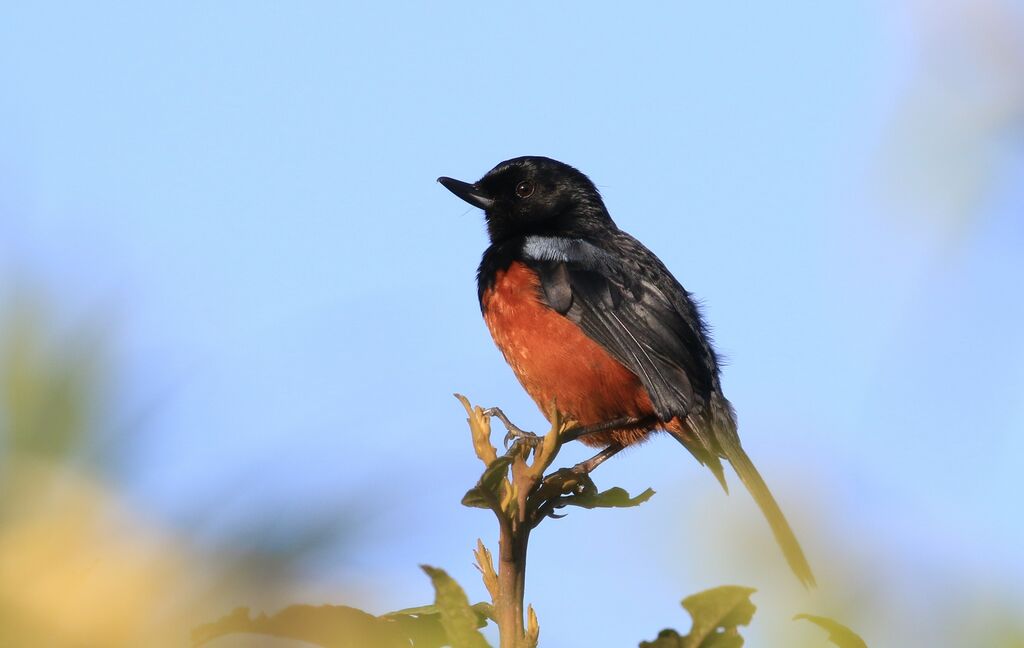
(244,193)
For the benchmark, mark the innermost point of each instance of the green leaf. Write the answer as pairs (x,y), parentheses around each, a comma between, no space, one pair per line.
(612,498)
(423,624)
(484,611)
(336,626)
(458,619)
(475,498)
(716,614)
(838,634)
(50,385)
(494,476)
(665,639)
(422,631)
(330,626)
(490,483)
(726,639)
(419,610)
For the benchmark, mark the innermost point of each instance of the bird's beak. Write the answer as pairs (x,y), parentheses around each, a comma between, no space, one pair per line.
(470,193)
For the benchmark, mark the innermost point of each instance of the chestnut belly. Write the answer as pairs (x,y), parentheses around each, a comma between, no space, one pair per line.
(557,362)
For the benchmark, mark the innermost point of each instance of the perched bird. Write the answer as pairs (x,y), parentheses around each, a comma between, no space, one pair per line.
(590,319)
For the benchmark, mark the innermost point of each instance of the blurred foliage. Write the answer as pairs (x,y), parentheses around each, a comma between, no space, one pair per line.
(838,634)
(81,566)
(60,528)
(458,619)
(335,626)
(884,601)
(717,614)
(451,620)
(50,393)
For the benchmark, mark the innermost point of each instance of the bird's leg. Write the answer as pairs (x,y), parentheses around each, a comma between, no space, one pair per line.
(625,422)
(514,431)
(554,489)
(585,467)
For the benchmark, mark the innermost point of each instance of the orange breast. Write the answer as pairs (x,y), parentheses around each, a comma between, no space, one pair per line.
(556,361)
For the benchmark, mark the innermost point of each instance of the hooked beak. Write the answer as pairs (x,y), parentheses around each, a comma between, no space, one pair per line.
(469,193)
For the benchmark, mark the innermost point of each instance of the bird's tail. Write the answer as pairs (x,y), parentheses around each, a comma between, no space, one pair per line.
(717,437)
(784,535)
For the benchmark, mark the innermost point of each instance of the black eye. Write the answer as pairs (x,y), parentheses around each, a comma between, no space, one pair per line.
(524,189)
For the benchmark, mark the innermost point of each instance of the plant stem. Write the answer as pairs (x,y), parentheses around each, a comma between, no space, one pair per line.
(513,503)
(511,577)
(520,564)
(512,544)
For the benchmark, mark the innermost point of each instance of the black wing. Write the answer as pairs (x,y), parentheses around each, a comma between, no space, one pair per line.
(630,309)
(630,304)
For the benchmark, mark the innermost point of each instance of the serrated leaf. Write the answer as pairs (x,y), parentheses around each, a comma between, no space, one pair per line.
(458,619)
(330,626)
(716,613)
(838,634)
(612,498)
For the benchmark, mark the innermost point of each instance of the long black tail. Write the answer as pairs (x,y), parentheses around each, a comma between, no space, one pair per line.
(716,435)
(784,535)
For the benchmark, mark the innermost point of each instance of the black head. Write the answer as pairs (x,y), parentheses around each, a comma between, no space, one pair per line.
(535,195)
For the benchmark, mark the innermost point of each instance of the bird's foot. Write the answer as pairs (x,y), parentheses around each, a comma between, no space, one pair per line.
(515,433)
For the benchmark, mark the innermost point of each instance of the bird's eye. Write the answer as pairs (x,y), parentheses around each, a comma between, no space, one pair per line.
(524,189)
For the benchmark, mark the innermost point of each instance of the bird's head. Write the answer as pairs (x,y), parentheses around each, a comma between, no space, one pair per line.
(535,196)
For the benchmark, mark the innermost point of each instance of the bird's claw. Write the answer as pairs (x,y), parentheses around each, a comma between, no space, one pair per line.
(521,436)
(515,433)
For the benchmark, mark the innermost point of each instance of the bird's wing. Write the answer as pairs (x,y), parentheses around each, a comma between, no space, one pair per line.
(629,316)
(652,328)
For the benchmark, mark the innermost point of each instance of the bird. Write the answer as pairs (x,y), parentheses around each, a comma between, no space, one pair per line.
(589,319)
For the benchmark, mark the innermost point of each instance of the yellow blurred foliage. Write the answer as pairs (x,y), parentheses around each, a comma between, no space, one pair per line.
(80,565)
(78,568)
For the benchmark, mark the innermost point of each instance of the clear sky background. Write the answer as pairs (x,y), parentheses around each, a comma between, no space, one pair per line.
(243,195)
